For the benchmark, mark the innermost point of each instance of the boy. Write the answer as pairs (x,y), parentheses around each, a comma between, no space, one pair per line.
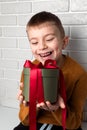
(47,40)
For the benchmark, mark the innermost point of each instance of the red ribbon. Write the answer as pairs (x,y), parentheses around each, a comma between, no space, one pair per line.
(36,89)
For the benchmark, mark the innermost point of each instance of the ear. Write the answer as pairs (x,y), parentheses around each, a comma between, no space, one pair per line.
(65,42)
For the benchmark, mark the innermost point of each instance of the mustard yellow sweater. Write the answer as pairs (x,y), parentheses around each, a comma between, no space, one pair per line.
(76,91)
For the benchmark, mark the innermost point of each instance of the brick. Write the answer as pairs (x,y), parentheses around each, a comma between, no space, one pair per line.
(28,0)
(15,8)
(77,45)
(2,92)
(66,31)
(11,91)
(21,63)
(78,5)
(14,31)
(54,6)
(1,74)
(81,57)
(23,19)
(7,20)
(8,43)
(79,32)
(8,64)
(0,53)
(84,66)
(0,31)
(16,54)
(23,43)
(7,0)
(9,102)
(12,74)
(3,83)
(0,8)
(73,18)
(7,84)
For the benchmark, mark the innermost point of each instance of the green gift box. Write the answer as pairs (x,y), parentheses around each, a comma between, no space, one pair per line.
(50,84)
(26,89)
(50,79)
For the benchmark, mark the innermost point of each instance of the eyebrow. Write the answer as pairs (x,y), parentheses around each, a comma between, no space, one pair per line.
(52,34)
(33,38)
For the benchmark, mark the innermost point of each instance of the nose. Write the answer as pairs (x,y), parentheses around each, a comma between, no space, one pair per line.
(42,45)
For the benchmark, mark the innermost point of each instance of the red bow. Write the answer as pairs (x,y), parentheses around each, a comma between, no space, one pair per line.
(36,89)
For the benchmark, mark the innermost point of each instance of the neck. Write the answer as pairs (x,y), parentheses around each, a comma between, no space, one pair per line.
(60,61)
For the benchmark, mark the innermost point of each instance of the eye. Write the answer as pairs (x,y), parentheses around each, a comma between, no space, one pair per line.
(50,39)
(34,43)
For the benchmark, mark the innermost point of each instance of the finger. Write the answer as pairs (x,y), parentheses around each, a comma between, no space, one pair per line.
(21,85)
(20,99)
(42,105)
(19,94)
(52,107)
(38,105)
(24,102)
(61,102)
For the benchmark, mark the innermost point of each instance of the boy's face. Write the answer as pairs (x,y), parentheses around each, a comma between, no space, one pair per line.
(46,42)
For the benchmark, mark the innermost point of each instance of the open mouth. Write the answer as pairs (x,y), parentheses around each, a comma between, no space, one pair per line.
(46,54)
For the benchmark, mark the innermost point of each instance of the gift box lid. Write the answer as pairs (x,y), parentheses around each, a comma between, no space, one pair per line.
(45,72)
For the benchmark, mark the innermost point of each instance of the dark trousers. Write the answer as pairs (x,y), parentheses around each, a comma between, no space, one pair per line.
(54,127)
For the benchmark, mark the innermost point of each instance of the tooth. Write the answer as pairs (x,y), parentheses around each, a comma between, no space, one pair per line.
(45,54)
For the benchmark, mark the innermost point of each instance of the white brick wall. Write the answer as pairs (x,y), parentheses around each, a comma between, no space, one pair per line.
(14,45)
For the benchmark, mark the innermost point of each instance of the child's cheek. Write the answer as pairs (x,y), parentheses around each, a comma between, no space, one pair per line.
(58,51)
(56,48)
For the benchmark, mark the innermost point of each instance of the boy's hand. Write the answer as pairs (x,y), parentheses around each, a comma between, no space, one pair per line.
(52,107)
(20,95)
(47,105)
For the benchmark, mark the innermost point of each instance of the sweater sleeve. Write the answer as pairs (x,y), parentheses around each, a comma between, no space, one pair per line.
(24,110)
(76,103)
